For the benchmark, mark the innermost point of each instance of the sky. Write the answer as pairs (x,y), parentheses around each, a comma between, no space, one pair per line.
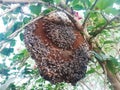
(2,27)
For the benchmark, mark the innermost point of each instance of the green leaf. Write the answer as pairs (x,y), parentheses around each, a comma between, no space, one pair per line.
(75,2)
(117,1)
(26,20)
(98,56)
(12,87)
(92,70)
(111,10)
(86,2)
(21,36)
(16,26)
(27,71)
(57,1)
(12,42)
(20,56)
(78,7)
(4,71)
(40,80)
(46,11)
(5,19)
(35,9)
(109,42)
(3,7)
(17,10)
(2,36)
(113,64)
(90,28)
(7,51)
(104,4)
(49,1)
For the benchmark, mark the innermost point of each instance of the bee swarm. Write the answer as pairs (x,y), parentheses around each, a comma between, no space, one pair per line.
(59,50)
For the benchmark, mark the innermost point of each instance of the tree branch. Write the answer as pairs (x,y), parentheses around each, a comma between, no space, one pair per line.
(104,17)
(89,13)
(98,31)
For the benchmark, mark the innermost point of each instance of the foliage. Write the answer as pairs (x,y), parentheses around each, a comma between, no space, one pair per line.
(16,62)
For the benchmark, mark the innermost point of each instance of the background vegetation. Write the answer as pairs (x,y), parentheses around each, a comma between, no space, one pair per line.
(101,24)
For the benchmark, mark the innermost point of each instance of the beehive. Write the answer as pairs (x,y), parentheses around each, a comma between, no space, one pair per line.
(58,48)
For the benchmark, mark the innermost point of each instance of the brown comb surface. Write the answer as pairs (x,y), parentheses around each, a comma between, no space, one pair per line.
(59,50)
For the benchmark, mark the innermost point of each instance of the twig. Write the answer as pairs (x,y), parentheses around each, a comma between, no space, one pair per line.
(89,13)
(98,31)
(104,17)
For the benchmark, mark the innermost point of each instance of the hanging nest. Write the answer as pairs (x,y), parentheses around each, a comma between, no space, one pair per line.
(58,48)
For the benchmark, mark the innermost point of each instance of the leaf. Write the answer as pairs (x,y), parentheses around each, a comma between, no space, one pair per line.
(117,2)
(12,42)
(16,26)
(57,1)
(7,51)
(5,19)
(92,70)
(113,64)
(86,2)
(17,10)
(4,71)
(109,42)
(12,86)
(3,7)
(40,80)
(2,36)
(26,20)
(20,56)
(90,28)
(21,36)
(98,56)
(49,1)
(104,57)
(78,7)
(111,10)
(104,4)
(75,2)
(35,9)
(27,71)
(46,11)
